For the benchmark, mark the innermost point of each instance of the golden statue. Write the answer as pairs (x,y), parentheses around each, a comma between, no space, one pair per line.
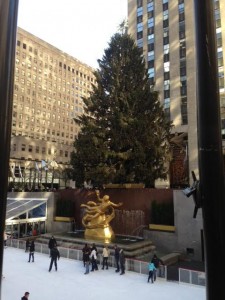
(97,217)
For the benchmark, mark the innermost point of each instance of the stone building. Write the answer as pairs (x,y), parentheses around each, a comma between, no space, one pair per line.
(48,89)
(165,31)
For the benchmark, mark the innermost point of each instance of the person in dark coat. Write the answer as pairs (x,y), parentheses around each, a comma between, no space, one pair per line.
(32,249)
(85,250)
(54,255)
(25,297)
(86,258)
(117,258)
(52,242)
(122,262)
(157,262)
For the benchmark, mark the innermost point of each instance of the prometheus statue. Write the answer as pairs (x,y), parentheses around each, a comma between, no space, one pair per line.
(98,216)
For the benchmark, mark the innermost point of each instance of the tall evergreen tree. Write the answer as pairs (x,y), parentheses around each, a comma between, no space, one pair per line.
(124,132)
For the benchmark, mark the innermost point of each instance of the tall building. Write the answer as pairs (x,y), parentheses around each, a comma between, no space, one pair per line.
(165,31)
(48,89)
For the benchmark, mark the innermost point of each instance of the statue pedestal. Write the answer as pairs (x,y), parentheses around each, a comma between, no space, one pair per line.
(105,233)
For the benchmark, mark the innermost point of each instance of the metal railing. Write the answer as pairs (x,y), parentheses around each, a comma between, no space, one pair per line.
(192,277)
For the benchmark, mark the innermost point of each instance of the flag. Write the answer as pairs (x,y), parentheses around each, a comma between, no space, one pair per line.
(20,172)
(44,165)
(37,167)
(12,169)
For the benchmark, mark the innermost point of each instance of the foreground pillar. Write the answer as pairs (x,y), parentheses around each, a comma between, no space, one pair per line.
(8,27)
(211,170)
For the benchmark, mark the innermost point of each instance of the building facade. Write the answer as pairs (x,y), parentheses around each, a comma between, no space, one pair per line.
(165,31)
(48,89)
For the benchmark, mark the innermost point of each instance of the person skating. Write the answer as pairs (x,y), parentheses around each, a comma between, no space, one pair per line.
(86,258)
(32,249)
(94,258)
(85,250)
(117,258)
(26,296)
(122,262)
(157,262)
(5,239)
(105,255)
(151,269)
(54,255)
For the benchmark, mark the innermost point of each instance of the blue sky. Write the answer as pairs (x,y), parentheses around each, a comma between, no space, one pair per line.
(81,28)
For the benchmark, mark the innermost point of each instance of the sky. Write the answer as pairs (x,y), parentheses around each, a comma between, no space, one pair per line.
(81,28)
(69,282)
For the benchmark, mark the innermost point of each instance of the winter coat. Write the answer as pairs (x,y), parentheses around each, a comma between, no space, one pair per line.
(52,243)
(32,247)
(93,254)
(151,267)
(122,257)
(24,298)
(156,261)
(117,253)
(105,252)
(55,253)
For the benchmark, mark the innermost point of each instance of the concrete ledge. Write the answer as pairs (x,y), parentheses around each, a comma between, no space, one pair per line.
(171,258)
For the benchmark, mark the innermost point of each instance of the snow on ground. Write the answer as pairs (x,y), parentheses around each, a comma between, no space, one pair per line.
(69,282)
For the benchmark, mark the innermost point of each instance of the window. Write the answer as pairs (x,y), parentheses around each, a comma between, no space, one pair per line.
(24,46)
(184,115)
(30,148)
(23,147)
(18,43)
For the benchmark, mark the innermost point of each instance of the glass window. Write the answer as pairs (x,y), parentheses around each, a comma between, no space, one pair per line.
(151,72)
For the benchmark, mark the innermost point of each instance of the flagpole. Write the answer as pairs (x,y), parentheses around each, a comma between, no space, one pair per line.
(8,27)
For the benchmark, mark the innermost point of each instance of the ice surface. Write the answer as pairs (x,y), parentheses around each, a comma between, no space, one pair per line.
(69,282)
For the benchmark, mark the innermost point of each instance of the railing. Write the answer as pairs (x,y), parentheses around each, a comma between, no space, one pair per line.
(191,277)
(134,265)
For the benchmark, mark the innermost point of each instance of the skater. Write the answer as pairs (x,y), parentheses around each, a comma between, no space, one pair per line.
(54,255)
(105,255)
(32,249)
(52,242)
(122,262)
(25,297)
(27,245)
(94,258)
(157,262)
(85,250)
(117,258)
(151,269)
(86,259)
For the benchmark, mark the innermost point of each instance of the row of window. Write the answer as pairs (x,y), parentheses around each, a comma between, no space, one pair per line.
(38,149)
(66,67)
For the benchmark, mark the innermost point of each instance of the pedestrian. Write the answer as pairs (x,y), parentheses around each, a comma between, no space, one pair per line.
(32,249)
(117,258)
(94,258)
(122,262)
(25,297)
(54,254)
(105,255)
(52,242)
(85,250)
(5,239)
(151,269)
(27,245)
(157,262)
(86,258)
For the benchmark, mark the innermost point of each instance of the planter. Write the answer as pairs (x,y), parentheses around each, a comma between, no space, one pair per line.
(63,219)
(157,227)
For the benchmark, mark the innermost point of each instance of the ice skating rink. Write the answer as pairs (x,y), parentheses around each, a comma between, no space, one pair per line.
(69,282)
